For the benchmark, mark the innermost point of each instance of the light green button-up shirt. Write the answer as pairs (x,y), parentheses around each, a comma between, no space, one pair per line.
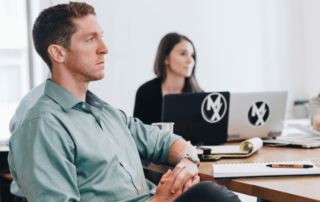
(68,150)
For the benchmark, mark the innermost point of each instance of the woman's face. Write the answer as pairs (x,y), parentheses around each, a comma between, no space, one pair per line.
(180,60)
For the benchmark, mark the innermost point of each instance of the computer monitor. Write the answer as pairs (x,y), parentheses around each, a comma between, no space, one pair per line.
(201,118)
(256,114)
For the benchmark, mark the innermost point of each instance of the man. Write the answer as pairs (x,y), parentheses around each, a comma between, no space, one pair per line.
(71,146)
(314,112)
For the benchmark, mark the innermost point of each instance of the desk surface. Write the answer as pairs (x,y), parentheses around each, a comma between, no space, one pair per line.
(301,188)
(293,189)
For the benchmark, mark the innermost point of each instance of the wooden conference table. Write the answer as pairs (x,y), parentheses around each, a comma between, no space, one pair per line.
(293,189)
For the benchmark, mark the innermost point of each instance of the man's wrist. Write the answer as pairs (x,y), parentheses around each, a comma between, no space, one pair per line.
(193,158)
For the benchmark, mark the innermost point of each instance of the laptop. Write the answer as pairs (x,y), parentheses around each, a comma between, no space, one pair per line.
(256,114)
(297,133)
(201,118)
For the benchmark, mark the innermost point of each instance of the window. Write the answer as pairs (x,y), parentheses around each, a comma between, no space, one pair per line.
(14,69)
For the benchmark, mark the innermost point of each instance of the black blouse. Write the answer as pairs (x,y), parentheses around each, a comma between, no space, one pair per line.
(148,103)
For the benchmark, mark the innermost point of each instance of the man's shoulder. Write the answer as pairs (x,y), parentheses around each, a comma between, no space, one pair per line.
(44,108)
(34,94)
(43,113)
(25,104)
(150,86)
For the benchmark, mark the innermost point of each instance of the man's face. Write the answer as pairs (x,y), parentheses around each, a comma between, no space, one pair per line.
(85,54)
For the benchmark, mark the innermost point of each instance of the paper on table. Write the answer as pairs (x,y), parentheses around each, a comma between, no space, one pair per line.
(256,169)
(306,128)
(305,137)
(245,149)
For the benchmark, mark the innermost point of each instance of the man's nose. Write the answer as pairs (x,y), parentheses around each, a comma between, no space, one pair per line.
(103,49)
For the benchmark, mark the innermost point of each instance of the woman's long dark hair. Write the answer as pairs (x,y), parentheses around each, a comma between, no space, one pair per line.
(166,45)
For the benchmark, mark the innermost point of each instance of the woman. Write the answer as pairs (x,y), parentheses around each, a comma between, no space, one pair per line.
(174,67)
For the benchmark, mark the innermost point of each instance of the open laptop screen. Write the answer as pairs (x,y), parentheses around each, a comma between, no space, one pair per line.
(201,118)
(256,114)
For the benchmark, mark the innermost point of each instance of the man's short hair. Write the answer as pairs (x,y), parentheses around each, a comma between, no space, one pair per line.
(54,25)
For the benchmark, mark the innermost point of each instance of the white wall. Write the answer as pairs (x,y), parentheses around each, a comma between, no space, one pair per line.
(242,45)
(312,46)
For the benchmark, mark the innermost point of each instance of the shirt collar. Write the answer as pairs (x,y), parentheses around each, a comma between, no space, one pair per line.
(66,99)
(93,100)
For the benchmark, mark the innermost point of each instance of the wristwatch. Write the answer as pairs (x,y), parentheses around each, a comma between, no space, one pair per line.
(192,158)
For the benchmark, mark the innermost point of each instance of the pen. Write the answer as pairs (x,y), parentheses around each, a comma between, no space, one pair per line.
(289,166)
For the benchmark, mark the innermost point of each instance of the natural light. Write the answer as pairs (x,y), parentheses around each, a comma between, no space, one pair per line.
(13,60)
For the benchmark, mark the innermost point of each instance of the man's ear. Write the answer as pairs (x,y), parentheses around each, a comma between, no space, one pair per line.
(57,53)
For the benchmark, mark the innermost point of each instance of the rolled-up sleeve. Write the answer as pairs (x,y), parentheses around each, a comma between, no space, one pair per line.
(46,172)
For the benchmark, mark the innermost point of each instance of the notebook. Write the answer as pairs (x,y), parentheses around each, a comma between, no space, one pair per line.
(244,149)
(201,118)
(260,169)
(256,114)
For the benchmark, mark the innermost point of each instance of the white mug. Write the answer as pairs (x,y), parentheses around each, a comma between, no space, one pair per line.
(166,126)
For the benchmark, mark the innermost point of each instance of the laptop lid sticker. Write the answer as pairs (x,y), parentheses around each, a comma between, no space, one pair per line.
(213,107)
(258,113)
